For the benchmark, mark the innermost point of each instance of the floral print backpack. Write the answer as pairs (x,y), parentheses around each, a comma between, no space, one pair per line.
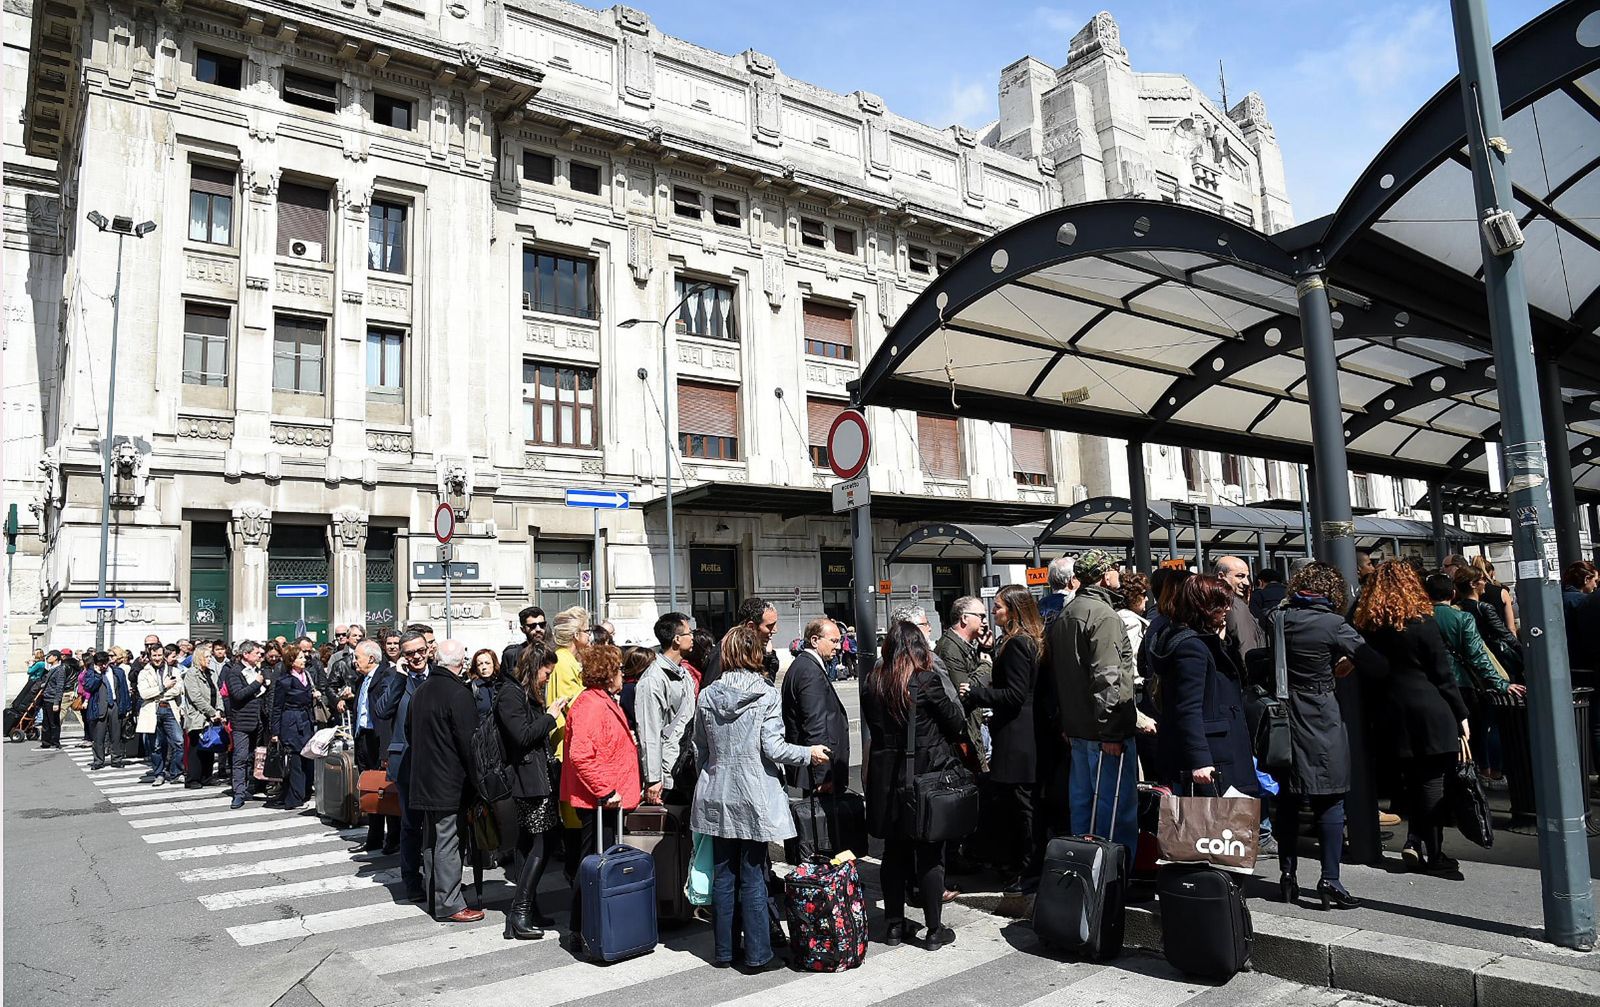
(827,917)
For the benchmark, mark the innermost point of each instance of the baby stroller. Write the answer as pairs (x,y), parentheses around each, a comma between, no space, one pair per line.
(22,716)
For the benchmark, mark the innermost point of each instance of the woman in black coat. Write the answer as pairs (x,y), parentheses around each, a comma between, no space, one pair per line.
(485,680)
(1204,738)
(1319,644)
(903,688)
(525,727)
(293,722)
(1427,718)
(1013,732)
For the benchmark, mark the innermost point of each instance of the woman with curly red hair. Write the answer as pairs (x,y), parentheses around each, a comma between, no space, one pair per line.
(1204,738)
(1427,718)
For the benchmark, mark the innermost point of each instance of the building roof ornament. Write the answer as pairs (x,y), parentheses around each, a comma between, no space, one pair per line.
(1100,37)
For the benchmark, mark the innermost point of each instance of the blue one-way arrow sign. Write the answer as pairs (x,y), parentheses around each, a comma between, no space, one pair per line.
(301,590)
(598,499)
(95,604)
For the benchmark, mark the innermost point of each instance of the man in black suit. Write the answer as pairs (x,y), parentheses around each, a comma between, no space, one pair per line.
(813,713)
(443,717)
(247,687)
(392,708)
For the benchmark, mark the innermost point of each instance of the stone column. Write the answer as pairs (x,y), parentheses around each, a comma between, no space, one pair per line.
(347,362)
(249,532)
(347,542)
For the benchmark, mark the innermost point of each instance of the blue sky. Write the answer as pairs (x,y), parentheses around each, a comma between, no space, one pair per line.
(1338,78)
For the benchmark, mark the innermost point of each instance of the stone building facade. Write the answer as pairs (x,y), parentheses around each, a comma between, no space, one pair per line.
(421,252)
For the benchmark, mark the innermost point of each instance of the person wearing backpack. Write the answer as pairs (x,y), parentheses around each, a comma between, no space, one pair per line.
(443,718)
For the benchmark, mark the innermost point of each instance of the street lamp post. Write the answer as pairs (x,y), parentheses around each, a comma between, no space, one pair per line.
(666,435)
(121,227)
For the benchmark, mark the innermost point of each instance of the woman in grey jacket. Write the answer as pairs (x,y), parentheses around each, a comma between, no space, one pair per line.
(200,711)
(739,800)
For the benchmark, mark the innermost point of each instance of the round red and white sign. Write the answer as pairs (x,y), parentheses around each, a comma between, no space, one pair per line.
(848,444)
(444,522)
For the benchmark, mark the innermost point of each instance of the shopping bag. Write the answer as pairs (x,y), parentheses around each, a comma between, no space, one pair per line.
(697,888)
(1468,801)
(276,762)
(1224,831)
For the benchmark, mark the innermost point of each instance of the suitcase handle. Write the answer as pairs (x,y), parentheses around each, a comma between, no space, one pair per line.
(1094,806)
(600,828)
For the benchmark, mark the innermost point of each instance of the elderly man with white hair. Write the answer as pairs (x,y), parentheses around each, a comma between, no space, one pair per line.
(442,719)
(370,676)
(1061,589)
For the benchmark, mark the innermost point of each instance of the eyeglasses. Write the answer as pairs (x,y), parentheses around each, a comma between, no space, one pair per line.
(679,636)
(421,652)
(534,625)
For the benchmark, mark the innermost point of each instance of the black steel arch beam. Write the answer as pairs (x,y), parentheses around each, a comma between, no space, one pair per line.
(1453,381)
(1088,508)
(917,536)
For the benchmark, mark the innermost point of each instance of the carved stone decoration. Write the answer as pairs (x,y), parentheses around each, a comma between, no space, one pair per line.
(347,530)
(472,54)
(533,460)
(374,7)
(1252,111)
(641,259)
(205,428)
(772,277)
(252,525)
(130,470)
(455,483)
(1100,37)
(301,436)
(769,112)
(886,311)
(457,10)
(760,64)
(389,441)
(46,506)
(638,59)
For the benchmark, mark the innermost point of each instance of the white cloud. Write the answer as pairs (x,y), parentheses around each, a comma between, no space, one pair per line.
(966,103)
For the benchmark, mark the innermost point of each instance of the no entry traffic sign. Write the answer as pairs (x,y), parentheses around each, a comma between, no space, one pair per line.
(849,444)
(444,522)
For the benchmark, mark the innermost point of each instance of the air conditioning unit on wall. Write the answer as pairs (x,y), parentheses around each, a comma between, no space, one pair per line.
(311,250)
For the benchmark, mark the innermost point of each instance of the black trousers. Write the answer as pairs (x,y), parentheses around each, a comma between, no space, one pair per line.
(1423,790)
(1013,828)
(106,733)
(903,860)
(198,764)
(50,733)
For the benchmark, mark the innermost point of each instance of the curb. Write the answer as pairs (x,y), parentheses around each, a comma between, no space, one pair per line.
(1365,961)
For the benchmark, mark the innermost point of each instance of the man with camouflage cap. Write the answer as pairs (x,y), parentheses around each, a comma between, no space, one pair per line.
(1093,667)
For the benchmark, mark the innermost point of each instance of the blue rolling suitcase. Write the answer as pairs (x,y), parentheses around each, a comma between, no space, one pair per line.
(618,887)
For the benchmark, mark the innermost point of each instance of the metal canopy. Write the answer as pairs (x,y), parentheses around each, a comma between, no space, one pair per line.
(791,502)
(952,541)
(1156,322)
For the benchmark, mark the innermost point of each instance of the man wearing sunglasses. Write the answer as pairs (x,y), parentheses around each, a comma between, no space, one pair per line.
(534,626)
(960,647)
(392,708)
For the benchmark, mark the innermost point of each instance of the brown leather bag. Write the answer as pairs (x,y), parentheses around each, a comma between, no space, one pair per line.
(379,795)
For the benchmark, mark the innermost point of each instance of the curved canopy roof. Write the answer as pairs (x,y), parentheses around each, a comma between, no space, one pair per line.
(952,541)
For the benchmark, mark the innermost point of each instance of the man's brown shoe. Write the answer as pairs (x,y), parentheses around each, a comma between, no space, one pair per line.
(1387,820)
(467,915)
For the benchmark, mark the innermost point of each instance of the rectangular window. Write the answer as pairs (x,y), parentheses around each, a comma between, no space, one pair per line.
(310,92)
(558,405)
(297,355)
(1030,451)
(708,421)
(584,178)
(844,241)
(388,110)
(210,205)
(1232,471)
(725,212)
(205,345)
(686,202)
(820,414)
(386,237)
(1361,491)
(539,168)
(919,259)
(830,330)
(303,221)
(712,311)
(1194,468)
(218,68)
(943,261)
(939,443)
(386,364)
(558,284)
(813,234)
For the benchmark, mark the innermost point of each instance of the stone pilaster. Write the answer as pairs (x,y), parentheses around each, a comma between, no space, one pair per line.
(347,542)
(250,530)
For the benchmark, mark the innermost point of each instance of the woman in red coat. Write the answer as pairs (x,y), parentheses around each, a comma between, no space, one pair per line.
(601,771)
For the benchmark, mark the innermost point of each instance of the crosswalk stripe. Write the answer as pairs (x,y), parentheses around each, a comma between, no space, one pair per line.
(251,934)
(151,794)
(170,808)
(438,949)
(241,829)
(892,972)
(566,983)
(258,845)
(299,890)
(226,815)
(1115,987)
(104,778)
(279,865)
(124,787)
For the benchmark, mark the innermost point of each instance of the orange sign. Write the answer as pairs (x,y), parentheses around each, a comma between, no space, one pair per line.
(1038,576)
(1174,564)
(884,586)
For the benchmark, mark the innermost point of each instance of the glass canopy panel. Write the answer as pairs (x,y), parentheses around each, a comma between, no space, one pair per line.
(1275,375)
(1103,385)
(1386,362)
(1049,319)
(1432,447)
(1580,262)
(1147,342)
(1465,418)
(1383,439)
(1224,408)
(1438,219)
(978,363)
(1542,269)
(1289,420)
(1272,292)
(1201,308)
(1098,277)
(1550,140)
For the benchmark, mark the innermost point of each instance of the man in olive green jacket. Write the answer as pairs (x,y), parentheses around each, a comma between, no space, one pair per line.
(958,649)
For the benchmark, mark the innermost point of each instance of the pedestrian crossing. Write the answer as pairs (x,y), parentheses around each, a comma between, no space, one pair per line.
(284,882)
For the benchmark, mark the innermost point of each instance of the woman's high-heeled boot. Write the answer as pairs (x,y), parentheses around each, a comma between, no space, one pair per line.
(521,921)
(1288,889)
(1333,894)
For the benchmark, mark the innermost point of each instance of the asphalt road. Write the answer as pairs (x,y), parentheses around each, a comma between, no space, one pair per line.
(121,893)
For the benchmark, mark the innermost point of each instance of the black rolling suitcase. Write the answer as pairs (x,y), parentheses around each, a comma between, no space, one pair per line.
(1205,924)
(1080,907)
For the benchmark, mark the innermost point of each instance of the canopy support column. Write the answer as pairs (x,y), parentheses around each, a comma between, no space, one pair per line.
(1558,787)
(1261,552)
(1594,531)
(988,571)
(1305,511)
(1172,540)
(865,568)
(1562,496)
(1441,548)
(1139,506)
(1336,532)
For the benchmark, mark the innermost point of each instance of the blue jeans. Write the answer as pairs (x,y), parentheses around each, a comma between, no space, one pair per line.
(1115,790)
(748,858)
(166,748)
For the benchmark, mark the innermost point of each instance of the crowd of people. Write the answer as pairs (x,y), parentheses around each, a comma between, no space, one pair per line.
(1058,705)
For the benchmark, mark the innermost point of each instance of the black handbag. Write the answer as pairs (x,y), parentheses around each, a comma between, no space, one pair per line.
(1468,801)
(277,761)
(941,805)
(1274,745)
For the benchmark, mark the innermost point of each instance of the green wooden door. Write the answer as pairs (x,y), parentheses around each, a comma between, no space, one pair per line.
(382,601)
(210,597)
(297,554)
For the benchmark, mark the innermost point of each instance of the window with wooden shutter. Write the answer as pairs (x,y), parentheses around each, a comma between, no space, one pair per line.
(812,233)
(820,414)
(539,168)
(310,91)
(830,330)
(302,217)
(919,259)
(1030,452)
(939,443)
(708,420)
